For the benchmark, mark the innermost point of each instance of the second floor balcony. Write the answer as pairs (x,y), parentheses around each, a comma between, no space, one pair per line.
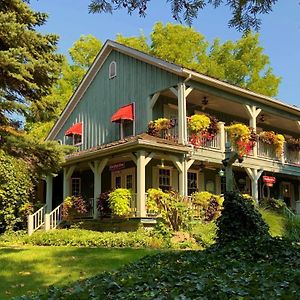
(261,148)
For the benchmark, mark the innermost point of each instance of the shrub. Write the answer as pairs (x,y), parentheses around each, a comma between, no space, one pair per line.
(87,238)
(103,204)
(204,233)
(292,229)
(173,208)
(274,204)
(119,202)
(239,220)
(73,206)
(16,189)
(207,205)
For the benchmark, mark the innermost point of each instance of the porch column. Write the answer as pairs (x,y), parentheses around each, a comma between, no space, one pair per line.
(68,171)
(182,166)
(97,167)
(141,183)
(253,112)
(254,175)
(49,193)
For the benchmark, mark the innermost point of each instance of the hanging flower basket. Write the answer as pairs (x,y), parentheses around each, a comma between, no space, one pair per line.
(293,144)
(242,138)
(271,138)
(203,128)
(160,127)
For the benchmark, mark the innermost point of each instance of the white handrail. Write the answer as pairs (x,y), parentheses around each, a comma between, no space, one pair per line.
(53,219)
(36,220)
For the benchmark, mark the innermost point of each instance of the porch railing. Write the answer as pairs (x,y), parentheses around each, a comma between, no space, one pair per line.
(53,219)
(292,157)
(36,220)
(266,151)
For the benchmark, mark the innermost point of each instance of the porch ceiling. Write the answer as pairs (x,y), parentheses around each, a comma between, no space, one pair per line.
(228,107)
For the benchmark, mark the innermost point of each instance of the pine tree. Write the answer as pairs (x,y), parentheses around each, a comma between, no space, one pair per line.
(29,66)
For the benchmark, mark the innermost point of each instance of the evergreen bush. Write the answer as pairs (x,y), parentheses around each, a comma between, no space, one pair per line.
(239,220)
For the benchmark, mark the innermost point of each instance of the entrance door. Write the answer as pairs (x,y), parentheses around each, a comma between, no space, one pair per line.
(123,179)
(287,192)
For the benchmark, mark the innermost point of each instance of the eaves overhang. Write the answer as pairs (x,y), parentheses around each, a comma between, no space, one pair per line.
(129,146)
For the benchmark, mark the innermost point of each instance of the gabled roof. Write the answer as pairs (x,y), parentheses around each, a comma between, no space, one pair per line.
(170,67)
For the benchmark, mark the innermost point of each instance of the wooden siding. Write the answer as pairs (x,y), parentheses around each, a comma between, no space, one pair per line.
(135,82)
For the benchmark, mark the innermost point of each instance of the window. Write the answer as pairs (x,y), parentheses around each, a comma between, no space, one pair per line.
(129,181)
(76,186)
(112,72)
(77,139)
(192,182)
(164,177)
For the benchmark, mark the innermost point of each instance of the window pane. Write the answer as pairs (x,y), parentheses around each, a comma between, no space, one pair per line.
(118,182)
(129,181)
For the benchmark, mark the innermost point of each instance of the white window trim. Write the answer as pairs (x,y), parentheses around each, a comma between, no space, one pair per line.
(109,70)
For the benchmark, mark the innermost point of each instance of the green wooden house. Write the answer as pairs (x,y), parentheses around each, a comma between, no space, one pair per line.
(107,120)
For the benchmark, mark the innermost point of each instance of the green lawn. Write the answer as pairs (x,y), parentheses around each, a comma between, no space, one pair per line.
(25,269)
(275,221)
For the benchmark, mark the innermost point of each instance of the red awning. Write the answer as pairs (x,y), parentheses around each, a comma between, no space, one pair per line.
(124,113)
(75,129)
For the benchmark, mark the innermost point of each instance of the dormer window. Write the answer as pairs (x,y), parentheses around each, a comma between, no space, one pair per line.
(75,132)
(112,71)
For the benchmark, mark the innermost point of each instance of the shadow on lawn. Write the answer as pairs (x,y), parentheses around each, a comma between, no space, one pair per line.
(29,269)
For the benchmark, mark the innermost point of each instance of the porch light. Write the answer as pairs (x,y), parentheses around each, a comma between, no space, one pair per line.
(205,100)
(262,118)
(162,163)
(221,173)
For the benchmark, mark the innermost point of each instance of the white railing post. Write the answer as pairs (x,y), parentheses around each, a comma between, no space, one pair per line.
(47,222)
(30,225)
(222,136)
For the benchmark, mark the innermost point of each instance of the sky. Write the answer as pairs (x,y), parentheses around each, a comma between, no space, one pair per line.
(279,33)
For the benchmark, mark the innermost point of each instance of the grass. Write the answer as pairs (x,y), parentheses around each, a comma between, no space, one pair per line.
(24,269)
(275,221)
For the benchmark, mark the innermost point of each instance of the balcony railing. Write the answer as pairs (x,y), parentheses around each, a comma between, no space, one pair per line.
(292,157)
(266,151)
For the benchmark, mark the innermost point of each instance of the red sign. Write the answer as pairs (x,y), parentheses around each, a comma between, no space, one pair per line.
(117,166)
(269,180)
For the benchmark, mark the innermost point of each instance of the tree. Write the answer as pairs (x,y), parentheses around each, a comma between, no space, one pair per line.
(29,66)
(241,63)
(245,13)
(28,63)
